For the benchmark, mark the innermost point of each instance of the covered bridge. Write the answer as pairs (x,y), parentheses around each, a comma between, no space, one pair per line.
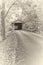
(17,25)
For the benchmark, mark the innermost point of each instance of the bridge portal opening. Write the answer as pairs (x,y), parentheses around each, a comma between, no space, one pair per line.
(18,26)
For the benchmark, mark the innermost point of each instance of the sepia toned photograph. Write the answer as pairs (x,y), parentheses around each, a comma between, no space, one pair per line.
(21,32)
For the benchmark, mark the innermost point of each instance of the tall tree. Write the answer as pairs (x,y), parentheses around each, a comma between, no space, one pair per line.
(3,20)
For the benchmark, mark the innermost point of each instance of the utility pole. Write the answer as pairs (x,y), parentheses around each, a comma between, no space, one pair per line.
(3,20)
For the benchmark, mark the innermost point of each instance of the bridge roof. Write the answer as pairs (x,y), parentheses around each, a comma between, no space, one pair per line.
(18,21)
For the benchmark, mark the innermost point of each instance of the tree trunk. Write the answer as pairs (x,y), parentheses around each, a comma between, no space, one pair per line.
(3,21)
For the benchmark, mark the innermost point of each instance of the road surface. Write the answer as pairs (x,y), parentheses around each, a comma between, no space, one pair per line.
(29,48)
(25,49)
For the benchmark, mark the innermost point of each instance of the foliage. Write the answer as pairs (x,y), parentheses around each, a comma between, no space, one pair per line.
(25,10)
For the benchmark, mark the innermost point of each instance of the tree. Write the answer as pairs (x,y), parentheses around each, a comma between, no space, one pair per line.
(26,16)
(28,12)
(3,21)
